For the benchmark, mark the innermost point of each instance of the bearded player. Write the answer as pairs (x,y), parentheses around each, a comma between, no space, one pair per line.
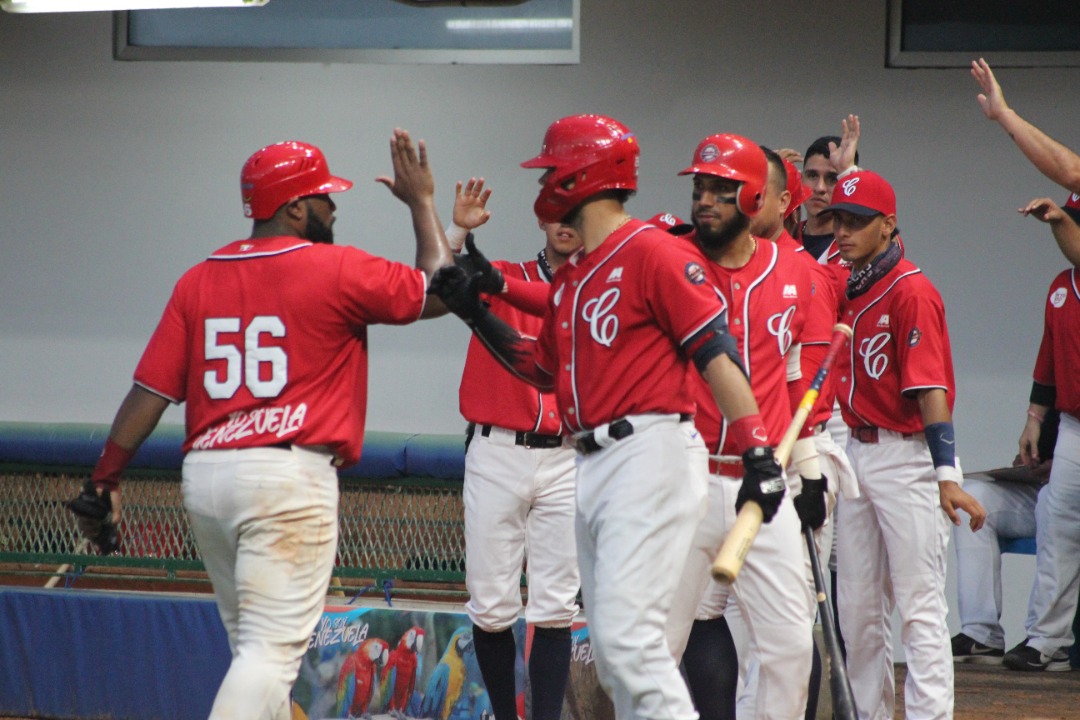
(266,342)
(767,293)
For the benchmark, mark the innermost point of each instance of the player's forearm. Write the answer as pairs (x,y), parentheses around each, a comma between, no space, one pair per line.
(137,417)
(1050,157)
(1067,234)
(730,389)
(432,251)
(530,297)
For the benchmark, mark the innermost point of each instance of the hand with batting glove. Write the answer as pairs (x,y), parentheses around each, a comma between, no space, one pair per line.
(810,503)
(459,291)
(763,481)
(489,278)
(93,512)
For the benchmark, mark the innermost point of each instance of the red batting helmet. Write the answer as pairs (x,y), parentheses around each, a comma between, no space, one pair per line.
(586,154)
(283,172)
(800,191)
(735,158)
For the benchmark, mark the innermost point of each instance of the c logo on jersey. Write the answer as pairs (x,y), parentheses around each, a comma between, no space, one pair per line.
(780,326)
(1074,198)
(871,350)
(849,186)
(1057,299)
(695,273)
(603,326)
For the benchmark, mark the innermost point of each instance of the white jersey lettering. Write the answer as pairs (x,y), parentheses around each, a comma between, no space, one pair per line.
(874,360)
(603,324)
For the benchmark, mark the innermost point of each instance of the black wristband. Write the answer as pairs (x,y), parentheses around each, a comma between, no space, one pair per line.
(1045,395)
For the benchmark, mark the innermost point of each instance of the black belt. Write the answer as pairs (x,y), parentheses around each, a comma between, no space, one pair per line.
(529,439)
(586,443)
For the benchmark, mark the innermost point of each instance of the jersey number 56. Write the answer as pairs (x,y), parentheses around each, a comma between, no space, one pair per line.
(242,365)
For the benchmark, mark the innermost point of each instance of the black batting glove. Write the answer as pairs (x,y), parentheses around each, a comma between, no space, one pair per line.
(459,291)
(810,503)
(490,279)
(93,513)
(763,481)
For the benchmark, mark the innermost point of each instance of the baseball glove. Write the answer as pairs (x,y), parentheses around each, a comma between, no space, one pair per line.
(93,513)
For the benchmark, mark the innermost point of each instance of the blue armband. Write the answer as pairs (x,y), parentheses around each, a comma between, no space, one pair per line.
(942,441)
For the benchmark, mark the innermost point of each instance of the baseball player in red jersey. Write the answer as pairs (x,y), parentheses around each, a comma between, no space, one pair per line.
(628,314)
(266,343)
(1056,384)
(767,292)
(783,193)
(896,391)
(518,494)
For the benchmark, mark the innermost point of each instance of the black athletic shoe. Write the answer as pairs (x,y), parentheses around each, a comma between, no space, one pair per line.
(1027,658)
(969,650)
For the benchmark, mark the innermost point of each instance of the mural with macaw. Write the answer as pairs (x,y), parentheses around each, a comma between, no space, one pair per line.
(391,664)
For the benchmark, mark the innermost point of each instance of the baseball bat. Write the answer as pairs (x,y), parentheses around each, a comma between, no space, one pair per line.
(843,701)
(732,555)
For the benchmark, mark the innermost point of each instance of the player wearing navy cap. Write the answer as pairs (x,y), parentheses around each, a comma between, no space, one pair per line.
(896,391)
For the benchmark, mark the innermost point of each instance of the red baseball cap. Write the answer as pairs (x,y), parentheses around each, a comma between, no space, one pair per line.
(669,223)
(1072,207)
(863,193)
(800,191)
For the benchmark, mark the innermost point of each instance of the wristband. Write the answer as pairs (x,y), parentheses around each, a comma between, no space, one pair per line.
(112,462)
(852,169)
(942,441)
(947,473)
(455,236)
(747,432)
(1037,416)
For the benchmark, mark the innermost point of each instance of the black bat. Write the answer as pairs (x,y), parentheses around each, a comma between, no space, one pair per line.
(839,685)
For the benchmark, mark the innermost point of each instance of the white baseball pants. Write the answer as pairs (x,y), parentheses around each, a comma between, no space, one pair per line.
(519,501)
(639,503)
(891,544)
(265,521)
(1057,539)
(776,604)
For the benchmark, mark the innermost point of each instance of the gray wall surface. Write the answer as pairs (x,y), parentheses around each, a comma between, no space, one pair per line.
(117,176)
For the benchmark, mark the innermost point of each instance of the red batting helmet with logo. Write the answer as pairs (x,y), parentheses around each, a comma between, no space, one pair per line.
(735,158)
(586,155)
(283,172)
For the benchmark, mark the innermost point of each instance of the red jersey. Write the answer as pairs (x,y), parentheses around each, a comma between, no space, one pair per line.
(1060,347)
(900,345)
(489,393)
(612,338)
(766,300)
(266,342)
(822,315)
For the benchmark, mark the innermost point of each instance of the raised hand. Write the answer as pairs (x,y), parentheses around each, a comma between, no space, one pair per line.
(470,204)
(991,99)
(842,156)
(413,182)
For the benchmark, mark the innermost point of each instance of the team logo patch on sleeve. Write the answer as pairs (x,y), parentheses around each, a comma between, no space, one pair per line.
(1057,299)
(914,337)
(695,273)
